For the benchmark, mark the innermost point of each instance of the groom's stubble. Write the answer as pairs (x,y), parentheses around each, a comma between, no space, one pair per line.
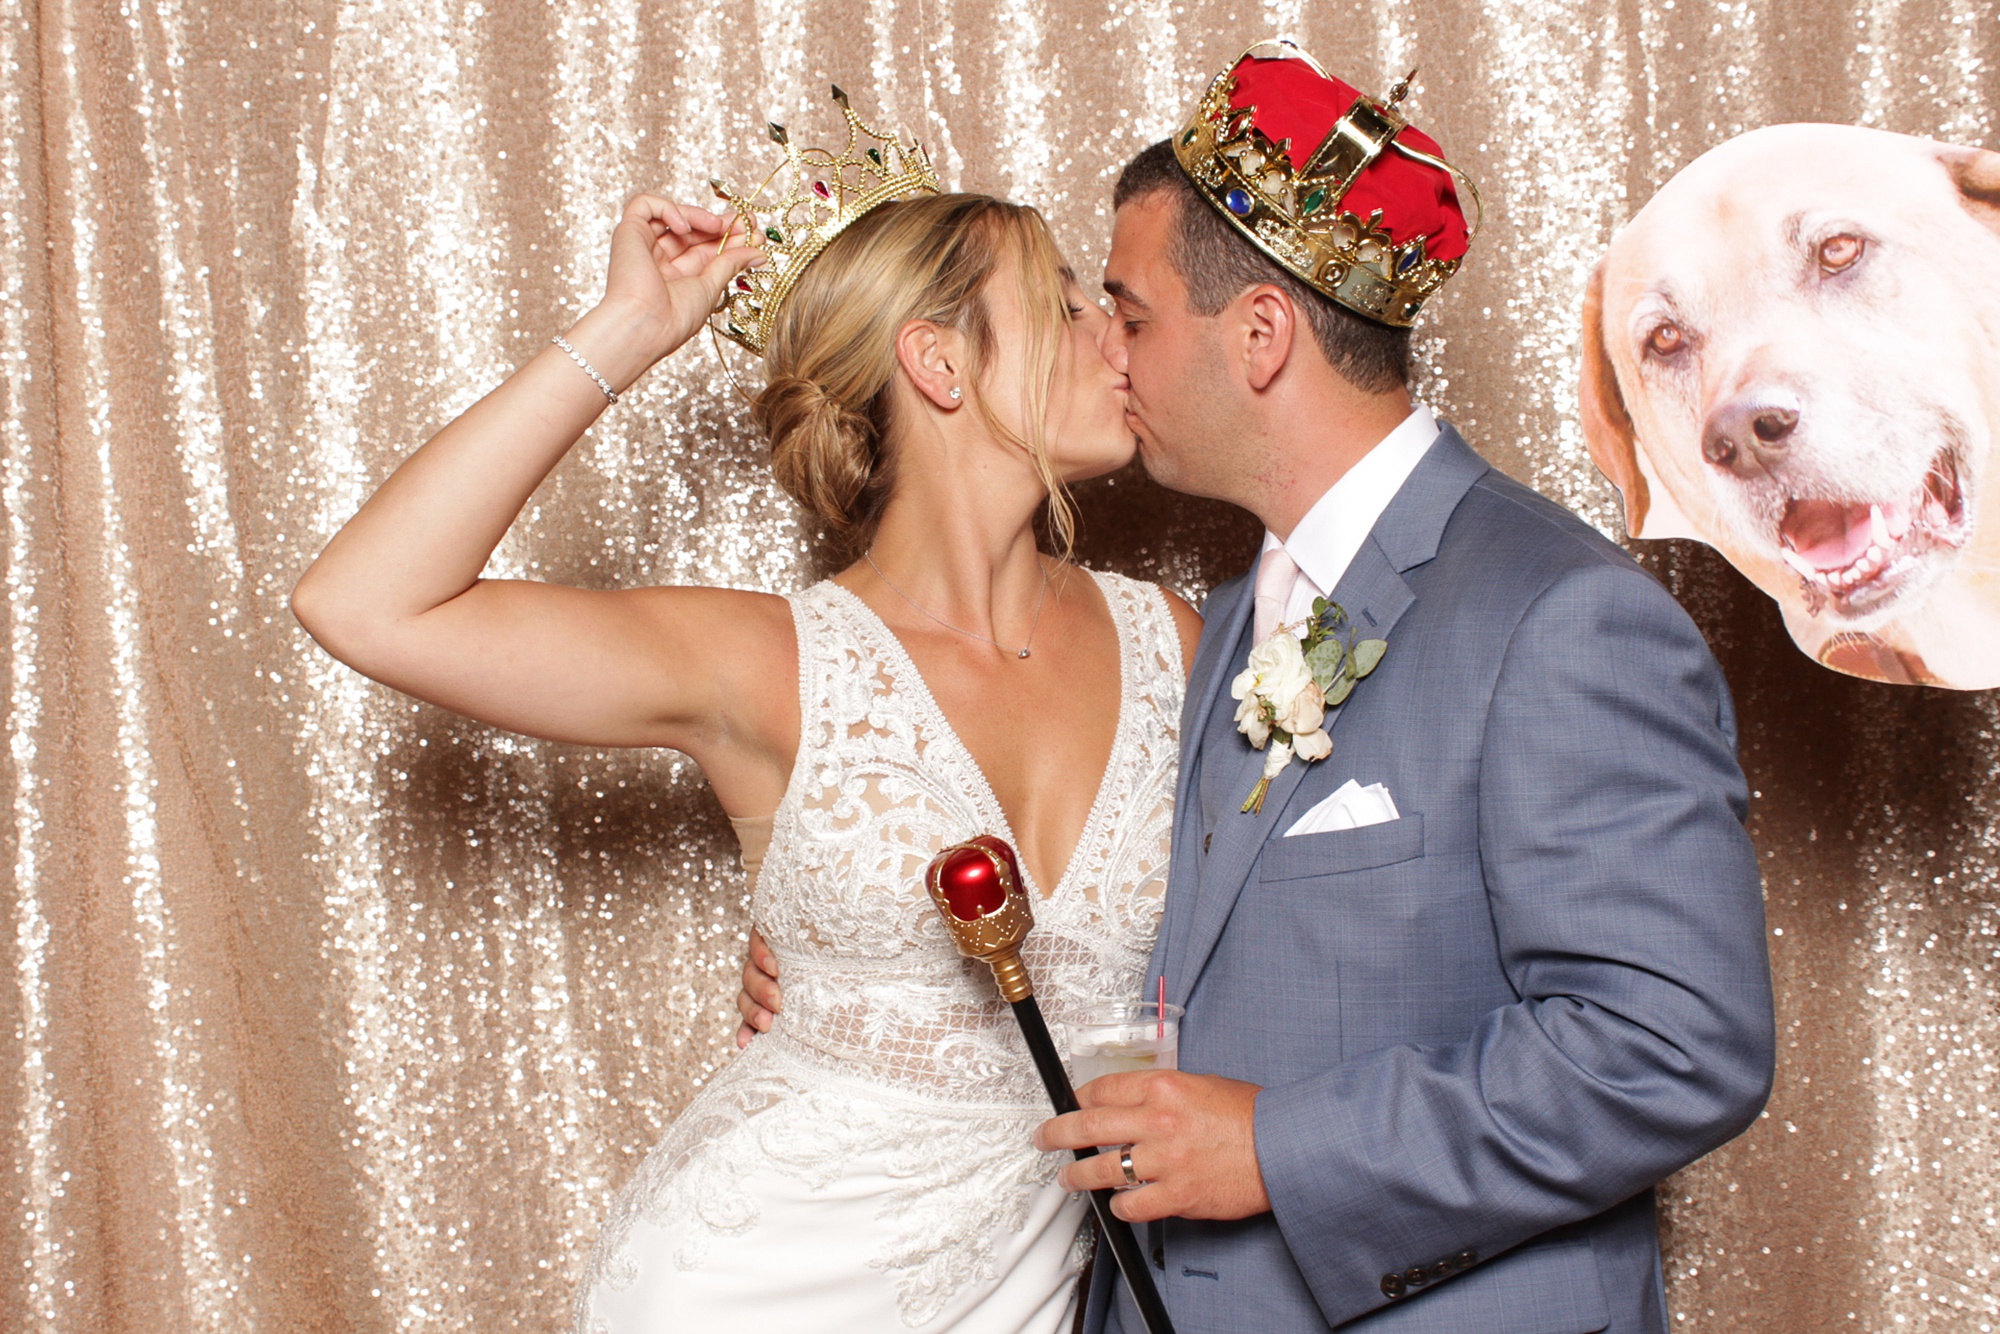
(1183,402)
(1199,448)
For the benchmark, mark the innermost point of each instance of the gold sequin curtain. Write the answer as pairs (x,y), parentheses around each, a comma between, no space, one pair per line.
(327,1011)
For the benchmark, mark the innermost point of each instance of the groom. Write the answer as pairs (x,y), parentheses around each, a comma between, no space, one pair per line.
(1442,1036)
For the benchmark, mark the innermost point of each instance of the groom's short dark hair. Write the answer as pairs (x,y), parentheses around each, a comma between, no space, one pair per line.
(1216,262)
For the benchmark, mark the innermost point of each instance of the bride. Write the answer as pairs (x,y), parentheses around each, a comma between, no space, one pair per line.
(934,382)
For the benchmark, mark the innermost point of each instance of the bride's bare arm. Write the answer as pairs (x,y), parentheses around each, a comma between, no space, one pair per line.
(397,594)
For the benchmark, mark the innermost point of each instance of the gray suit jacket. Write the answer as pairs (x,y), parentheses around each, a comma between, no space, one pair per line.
(1486,1029)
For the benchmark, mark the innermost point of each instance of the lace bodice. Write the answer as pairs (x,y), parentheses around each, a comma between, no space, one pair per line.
(873,985)
(892,1048)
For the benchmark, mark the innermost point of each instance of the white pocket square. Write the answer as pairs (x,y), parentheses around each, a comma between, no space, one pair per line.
(1350,807)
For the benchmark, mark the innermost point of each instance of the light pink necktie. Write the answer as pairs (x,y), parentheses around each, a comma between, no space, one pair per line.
(1276,574)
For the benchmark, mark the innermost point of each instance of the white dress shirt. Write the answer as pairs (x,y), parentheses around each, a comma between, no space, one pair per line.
(1325,540)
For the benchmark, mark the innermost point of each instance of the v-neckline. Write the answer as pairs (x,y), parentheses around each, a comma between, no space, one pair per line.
(922,690)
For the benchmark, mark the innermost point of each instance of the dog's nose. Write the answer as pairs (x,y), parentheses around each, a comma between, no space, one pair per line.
(1750,433)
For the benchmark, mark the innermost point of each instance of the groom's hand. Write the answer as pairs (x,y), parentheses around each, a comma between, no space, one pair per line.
(1193,1141)
(758,1001)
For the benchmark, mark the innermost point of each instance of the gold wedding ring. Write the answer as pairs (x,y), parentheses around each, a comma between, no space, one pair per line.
(1125,1162)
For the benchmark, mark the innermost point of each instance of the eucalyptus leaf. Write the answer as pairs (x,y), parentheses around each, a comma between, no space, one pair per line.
(1339,691)
(1323,661)
(1368,655)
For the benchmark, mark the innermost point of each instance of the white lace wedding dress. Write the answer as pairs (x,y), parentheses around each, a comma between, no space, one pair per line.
(867,1165)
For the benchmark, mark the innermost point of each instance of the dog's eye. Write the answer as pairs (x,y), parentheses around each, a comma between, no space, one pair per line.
(1666,340)
(1837,254)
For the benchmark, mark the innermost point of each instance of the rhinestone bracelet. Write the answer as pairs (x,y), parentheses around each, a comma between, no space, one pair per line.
(588,369)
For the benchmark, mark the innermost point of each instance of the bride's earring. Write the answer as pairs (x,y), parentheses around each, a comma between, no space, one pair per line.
(956,394)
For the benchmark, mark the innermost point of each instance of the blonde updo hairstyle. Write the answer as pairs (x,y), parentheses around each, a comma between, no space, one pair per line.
(831,358)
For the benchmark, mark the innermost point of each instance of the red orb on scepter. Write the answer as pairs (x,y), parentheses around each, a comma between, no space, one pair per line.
(976,876)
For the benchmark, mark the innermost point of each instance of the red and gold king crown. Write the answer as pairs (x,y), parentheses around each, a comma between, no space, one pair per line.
(1337,187)
(824,191)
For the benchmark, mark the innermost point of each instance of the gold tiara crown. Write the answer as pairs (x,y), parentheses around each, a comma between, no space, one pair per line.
(825,192)
(1297,217)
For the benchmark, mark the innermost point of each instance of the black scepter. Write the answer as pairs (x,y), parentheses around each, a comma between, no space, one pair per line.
(977,887)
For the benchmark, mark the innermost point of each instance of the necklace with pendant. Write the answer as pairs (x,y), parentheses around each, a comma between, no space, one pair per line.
(1020,652)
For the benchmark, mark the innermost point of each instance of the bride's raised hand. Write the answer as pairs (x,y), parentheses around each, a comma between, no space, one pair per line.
(669,265)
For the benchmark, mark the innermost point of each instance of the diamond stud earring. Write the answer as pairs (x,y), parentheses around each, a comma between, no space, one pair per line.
(955,394)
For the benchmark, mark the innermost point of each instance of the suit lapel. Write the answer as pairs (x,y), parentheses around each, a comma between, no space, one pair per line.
(1227,612)
(1375,597)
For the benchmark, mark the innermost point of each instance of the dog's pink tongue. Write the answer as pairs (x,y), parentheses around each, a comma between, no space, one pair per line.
(1829,534)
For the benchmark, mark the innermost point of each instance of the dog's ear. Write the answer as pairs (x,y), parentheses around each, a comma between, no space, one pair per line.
(1607,427)
(1976,173)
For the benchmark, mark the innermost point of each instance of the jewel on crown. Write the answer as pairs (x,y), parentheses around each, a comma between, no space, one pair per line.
(823,192)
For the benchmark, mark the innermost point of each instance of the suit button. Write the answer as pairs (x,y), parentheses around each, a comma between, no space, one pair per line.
(1467,1259)
(1160,1257)
(1416,1276)
(1206,839)
(1442,1269)
(1393,1286)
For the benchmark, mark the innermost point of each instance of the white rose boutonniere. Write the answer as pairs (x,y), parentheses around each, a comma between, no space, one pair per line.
(1287,686)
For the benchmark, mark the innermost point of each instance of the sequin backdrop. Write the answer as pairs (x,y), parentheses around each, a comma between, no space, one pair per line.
(330,1011)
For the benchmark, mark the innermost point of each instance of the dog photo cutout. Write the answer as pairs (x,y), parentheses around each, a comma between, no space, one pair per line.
(1792,353)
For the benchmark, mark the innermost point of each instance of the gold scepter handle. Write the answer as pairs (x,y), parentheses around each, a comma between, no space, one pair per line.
(977,888)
